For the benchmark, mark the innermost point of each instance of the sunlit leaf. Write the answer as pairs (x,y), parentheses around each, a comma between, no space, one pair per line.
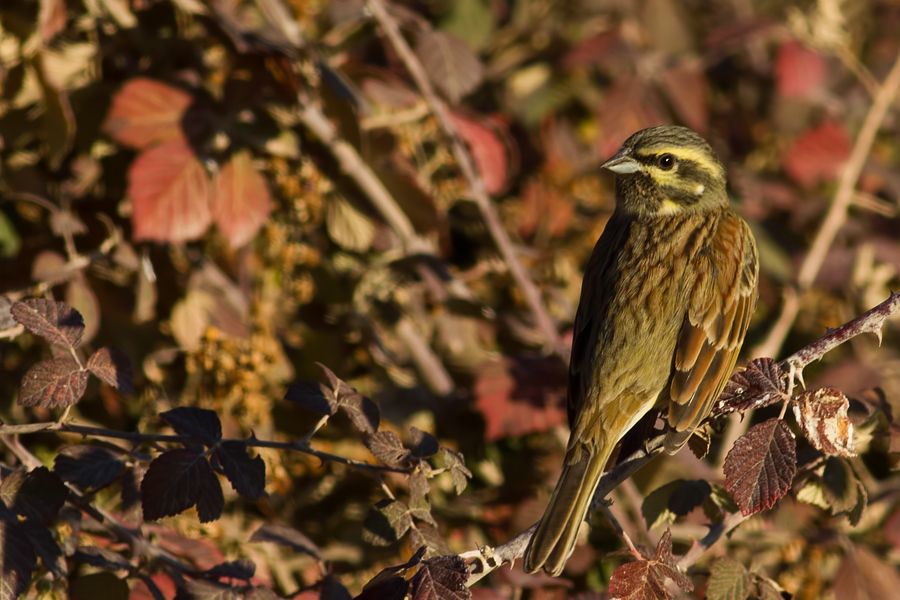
(441,578)
(822,416)
(56,322)
(113,367)
(760,466)
(799,71)
(146,112)
(54,383)
(728,580)
(818,154)
(488,150)
(449,62)
(240,201)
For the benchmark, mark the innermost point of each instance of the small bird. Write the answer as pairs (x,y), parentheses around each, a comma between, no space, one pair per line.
(665,303)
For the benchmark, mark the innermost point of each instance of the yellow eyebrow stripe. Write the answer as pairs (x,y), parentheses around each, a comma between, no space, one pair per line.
(697,155)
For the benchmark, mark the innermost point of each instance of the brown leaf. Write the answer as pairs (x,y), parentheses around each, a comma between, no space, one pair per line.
(55,383)
(449,62)
(361,411)
(685,86)
(388,448)
(799,71)
(544,208)
(82,298)
(488,150)
(241,201)
(646,579)
(628,106)
(146,112)
(755,385)
(56,322)
(169,191)
(760,466)
(441,578)
(112,367)
(822,416)
(818,154)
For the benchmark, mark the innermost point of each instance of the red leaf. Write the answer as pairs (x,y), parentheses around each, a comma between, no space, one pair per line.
(56,322)
(630,105)
(798,70)
(59,382)
(169,191)
(760,466)
(544,208)
(113,367)
(488,150)
(756,385)
(146,112)
(646,579)
(685,86)
(517,397)
(240,202)
(818,154)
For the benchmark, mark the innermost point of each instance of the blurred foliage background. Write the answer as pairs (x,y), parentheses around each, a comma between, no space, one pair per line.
(232,191)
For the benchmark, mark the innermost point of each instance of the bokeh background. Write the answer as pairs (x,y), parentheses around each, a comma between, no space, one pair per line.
(233,191)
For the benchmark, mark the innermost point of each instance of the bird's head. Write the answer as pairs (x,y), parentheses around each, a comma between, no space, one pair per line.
(667,170)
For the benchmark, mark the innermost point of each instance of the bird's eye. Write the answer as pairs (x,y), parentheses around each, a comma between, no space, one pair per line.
(666,161)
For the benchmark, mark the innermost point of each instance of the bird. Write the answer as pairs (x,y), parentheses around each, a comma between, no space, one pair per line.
(666,300)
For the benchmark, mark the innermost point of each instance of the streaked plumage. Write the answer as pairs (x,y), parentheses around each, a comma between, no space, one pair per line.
(666,300)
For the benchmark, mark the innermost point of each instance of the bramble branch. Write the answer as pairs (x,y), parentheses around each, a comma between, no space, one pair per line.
(486,559)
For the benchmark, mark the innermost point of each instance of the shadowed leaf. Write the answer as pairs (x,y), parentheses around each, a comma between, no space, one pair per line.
(56,322)
(37,495)
(177,480)
(113,367)
(17,559)
(341,396)
(760,466)
(233,569)
(424,445)
(54,383)
(89,467)
(388,448)
(198,423)
(388,584)
(247,475)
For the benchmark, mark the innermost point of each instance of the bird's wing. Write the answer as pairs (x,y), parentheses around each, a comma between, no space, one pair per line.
(592,309)
(721,304)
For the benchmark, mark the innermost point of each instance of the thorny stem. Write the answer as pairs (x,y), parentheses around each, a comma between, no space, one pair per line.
(389,26)
(139,437)
(486,559)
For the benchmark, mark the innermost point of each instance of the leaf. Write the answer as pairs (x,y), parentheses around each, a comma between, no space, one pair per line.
(98,585)
(57,118)
(646,579)
(17,559)
(822,416)
(449,62)
(341,396)
(82,298)
(424,445)
(56,322)
(544,209)
(454,462)
(757,384)
(864,576)
(520,396)
(145,113)
(37,495)
(441,578)
(54,383)
(178,479)
(760,466)
(247,474)
(728,580)
(240,201)
(169,191)
(629,105)
(348,226)
(310,396)
(818,154)
(387,522)
(799,71)
(674,499)
(286,536)
(113,367)
(488,150)
(842,490)
(88,467)
(686,88)
(199,423)
(332,589)
(388,448)
(428,537)
(388,584)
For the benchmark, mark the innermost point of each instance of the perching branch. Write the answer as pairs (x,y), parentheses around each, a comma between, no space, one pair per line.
(545,323)
(486,559)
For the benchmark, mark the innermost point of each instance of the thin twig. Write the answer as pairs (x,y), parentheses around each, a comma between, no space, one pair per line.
(837,212)
(140,437)
(532,295)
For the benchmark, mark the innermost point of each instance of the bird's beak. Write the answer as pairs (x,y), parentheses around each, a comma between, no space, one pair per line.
(622,164)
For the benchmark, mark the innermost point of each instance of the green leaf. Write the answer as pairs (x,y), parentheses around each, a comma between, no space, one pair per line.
(728,580)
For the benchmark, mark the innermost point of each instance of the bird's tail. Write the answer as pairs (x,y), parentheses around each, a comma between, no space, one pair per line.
(554,539)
